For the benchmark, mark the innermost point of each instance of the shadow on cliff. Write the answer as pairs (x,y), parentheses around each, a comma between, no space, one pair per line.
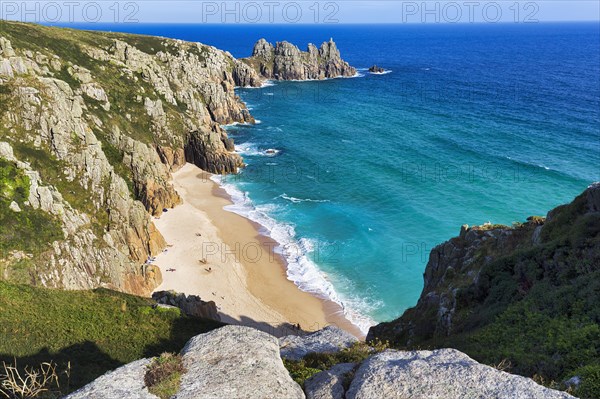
(276,329)
(86,360)
(182,330)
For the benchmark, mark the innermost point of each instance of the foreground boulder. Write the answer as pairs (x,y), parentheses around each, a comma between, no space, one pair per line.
(329,384)
(330,339)
(124,382)
(443,373)
(235,362)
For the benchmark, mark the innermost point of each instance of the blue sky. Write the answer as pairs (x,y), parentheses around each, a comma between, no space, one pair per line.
(298,11)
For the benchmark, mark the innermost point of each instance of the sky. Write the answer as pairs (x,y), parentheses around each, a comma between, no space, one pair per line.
(299,11)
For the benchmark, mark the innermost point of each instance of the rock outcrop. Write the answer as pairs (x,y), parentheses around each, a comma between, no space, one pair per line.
(330,339)
(458,265)
(190,305)
(235,362)
(241,362)
(285,61)
(330,384)
(445,373)
(125,382)
(376,69)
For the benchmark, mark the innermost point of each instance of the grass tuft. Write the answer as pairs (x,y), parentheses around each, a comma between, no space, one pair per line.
(163,376)
(315,362)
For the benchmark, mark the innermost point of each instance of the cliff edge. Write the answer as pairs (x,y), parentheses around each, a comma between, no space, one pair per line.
(525,295)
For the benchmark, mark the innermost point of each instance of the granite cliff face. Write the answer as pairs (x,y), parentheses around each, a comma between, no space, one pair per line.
(285,61)
(97,121)
(240,362)
(495,292)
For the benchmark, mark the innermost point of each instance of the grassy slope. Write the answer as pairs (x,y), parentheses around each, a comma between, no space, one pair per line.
(30,230)
(94,330)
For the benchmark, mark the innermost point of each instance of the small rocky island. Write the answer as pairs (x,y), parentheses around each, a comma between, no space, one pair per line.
(285,61)
(376,69)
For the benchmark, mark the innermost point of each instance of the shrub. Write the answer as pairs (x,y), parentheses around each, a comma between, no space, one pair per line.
(164,375)
(315,362)
(42,382)
(589,388)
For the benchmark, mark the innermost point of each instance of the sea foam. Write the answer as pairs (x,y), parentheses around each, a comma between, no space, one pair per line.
(301,269)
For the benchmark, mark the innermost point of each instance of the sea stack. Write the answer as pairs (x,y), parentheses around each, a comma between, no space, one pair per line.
(285,61)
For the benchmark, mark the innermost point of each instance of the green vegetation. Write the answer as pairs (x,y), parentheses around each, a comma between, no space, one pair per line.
(590,381)
(314,363)
(533,306)
(164,375)
(122,88)
(51,172)
(95,331)
(115,158)
(5,97)
(30,230)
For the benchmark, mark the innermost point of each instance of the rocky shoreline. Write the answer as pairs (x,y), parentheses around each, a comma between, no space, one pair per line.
(112,116)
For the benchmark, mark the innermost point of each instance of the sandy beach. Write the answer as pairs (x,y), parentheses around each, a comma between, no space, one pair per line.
(221,256)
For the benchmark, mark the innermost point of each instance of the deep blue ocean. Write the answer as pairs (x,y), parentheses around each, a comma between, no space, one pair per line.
(474,123)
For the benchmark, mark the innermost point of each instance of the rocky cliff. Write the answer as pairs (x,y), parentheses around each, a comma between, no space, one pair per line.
(285,61)
(240,362)
(527,295)
(95,122)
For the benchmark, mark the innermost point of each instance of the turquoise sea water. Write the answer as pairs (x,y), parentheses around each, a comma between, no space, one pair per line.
(474,123)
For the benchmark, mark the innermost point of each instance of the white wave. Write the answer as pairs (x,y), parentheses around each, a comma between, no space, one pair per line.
(356,75)
(301,270)
(252,149)
(381,73)
(269,94)
(266,83)
(232,124)
(247,149)
(298,200)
